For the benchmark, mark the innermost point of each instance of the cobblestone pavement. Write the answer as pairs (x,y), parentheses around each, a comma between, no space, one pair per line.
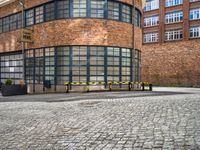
(150,120)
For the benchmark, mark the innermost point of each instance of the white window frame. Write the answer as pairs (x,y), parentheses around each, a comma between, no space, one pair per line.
(173,17)
(151,21)
(176,34)
(151,37)
(195,32)
(151,5)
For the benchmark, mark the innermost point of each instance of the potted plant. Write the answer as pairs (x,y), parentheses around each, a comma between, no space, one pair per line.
(10,89)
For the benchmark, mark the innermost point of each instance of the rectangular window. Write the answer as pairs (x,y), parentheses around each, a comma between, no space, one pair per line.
(63,9)
(176,34)
(97,8)
(150,37)
(126,13)
(195,32)
(49,11)
(137,18)
(194,0)
(1,25)
(151,5)
(151,21)
(79,8)
(79,63)
(50,64)
(195,13)
(30,17)
(96,63)
(174,17)
(11,67)
(63,61)
(30,66)
(113,63)
(126,64)
(169,3)
(19,20)
(6,23)
(39,14)
(113,10)
(13,22)
(39,65)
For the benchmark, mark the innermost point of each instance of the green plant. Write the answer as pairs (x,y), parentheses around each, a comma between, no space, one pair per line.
(8,82)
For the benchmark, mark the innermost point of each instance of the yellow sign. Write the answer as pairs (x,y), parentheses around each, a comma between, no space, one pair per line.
(27,35)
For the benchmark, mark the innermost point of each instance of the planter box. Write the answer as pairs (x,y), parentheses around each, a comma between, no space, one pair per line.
(11,90)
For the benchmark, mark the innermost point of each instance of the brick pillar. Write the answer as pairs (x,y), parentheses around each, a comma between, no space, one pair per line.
(186,11)
(162,21)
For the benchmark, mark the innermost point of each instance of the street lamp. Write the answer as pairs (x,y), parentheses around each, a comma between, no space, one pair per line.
(21,2)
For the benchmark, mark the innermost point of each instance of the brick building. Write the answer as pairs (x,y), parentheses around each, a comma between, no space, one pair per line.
(171,45)
(73,40)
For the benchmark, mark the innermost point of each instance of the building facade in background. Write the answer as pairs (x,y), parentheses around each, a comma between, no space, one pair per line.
(171,42)
(73,41)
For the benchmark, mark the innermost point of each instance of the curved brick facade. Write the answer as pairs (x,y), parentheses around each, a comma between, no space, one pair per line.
(72,31)
(73,49)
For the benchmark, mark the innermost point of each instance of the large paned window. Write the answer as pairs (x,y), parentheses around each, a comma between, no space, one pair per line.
(151,5)
(13,22)
(195,32)
(30,17)
(39,65)
(169,3)
(97,63)
(50,64)
(79,8)
(97,8)
(6,24)
(150,37)
(63,65)
(151,21)
(126,63)
(113,10)
(137,18)
(1,25)
(30,66)
(70,63)
(50,12)
(79,63)
(39,14)
(63,9)
(174,17)
(175,34)
(195,13)
(136,65)
(113,63)
(126,13)
(19,20)
(11,67)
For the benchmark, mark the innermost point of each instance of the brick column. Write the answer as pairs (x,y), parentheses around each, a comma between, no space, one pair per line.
(186,11)
(162,21)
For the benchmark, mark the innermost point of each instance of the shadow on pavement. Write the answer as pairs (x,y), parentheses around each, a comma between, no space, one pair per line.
(86,96)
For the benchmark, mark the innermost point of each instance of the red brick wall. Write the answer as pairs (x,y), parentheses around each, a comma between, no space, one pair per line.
(71,31)
(172,63)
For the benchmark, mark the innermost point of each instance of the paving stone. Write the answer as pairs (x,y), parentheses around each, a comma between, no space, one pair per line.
(139,123)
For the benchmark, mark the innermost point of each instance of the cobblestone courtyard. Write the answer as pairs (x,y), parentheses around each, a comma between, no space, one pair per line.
(168,118)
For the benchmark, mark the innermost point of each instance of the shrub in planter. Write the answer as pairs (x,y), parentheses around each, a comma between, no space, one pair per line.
(9,89)
(8,82)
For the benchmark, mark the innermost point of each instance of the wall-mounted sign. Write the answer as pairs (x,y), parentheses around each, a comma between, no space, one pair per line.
(27,35)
